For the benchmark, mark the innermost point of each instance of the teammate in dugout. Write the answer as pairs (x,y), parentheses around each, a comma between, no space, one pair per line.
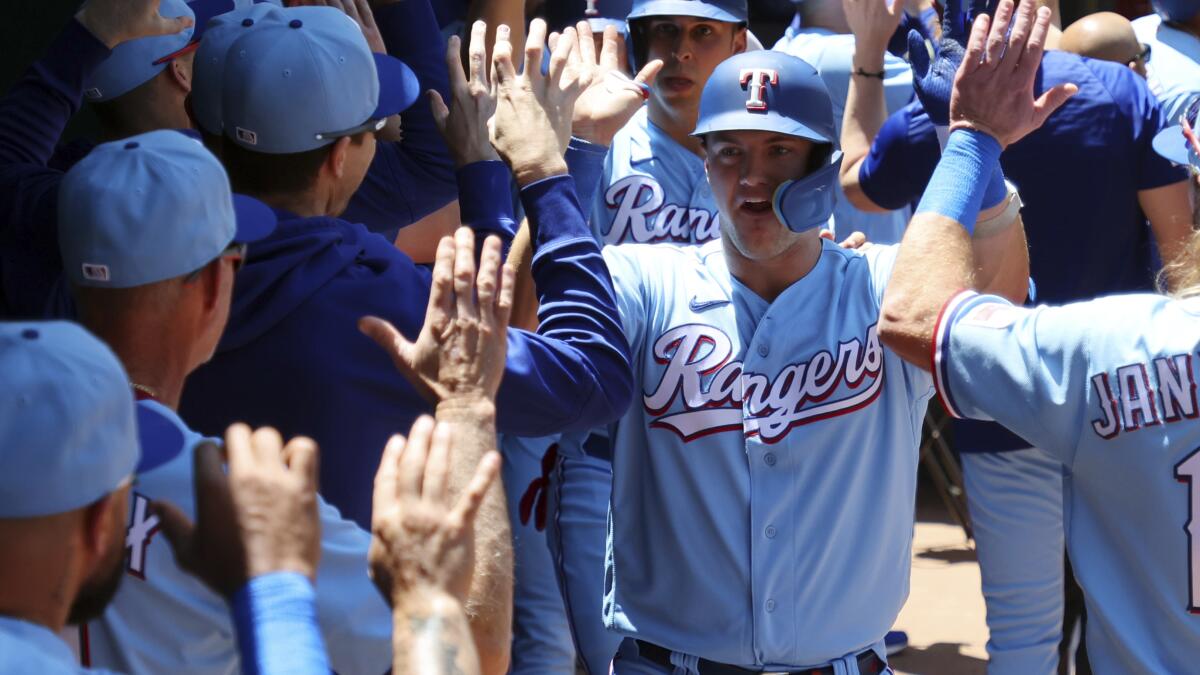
(653,182)
(761,515)
(1106,386)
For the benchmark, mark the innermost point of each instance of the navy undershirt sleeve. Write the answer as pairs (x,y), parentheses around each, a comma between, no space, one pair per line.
(577,365)
(414,177)
(902,159)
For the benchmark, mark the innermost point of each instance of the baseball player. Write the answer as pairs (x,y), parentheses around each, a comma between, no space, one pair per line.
(1107,386)
(163,619)
(763,490)
(653,182)
(1173,35)
(1101,136)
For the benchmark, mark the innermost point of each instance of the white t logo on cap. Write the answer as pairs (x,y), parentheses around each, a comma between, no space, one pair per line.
(591,8)
(95,272)
(758,79)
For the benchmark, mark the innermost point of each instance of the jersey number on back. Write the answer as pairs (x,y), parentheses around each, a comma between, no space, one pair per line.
(1188,471)
(142,527)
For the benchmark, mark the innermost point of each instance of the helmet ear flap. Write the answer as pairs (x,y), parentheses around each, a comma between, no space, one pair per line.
(807,202)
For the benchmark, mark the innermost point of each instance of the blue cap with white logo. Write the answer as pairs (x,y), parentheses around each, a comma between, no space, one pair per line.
(209,66)
(306,81)
(133,63)
(67,430)
(731,11)
(148,208)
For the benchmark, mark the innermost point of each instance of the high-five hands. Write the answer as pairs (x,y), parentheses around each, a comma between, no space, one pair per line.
(259,518)
(464,123)
(611,97)
(993,89)
(422,538)
(532,125)
(459,354)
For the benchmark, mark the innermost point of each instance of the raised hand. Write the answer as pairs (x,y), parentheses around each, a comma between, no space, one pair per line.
(993,90)
(532,125)
(358,10)
(873,23)
(458,358)
(117,21)
(611,98)
(933,80)
(421,536)
(260,518)
(464,124)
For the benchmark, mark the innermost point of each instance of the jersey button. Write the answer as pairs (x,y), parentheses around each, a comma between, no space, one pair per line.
(770,532)
(769,458)
(770,605)
(763,350)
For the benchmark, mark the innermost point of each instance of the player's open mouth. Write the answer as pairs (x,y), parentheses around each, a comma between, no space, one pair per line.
(755,206)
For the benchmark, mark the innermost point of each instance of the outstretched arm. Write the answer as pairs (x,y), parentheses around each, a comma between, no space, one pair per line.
(991,106)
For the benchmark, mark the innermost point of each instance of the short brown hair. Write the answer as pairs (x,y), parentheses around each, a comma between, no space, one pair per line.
(260,173)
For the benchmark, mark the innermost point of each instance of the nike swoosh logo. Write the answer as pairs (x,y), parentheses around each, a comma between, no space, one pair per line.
(699,306)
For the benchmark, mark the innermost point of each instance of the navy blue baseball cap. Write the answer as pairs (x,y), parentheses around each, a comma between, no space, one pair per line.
(731,11)
(209,66)
(307,80)
(133,63)
(148,208)
(68,434)
(1180,143)
(767,91)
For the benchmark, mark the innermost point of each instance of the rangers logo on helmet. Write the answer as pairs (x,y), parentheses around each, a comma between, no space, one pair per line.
(757,79)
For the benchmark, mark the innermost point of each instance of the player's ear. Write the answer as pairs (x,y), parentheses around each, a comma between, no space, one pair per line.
(100,519)
(739,39)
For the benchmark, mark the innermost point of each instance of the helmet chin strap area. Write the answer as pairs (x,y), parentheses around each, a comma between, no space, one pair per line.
(806,203)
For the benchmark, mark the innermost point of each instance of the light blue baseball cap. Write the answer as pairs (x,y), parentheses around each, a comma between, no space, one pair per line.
(133,63)
(731,11)
(1180,142)
(308,80)
(148,208)
(67,430)
(207,69)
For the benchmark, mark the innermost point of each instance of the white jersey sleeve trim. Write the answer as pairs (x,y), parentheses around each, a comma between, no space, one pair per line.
(941,346)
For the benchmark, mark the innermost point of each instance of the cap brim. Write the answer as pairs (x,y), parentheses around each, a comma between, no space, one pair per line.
(161,440)
(255,220)
(205,10)
(1172,144)
(398,86)
(599,24)
(684,8)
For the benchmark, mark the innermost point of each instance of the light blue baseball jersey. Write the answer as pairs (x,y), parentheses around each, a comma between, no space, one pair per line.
(31,648)
(832,54)
(163,620)
(653,190)
(763,489)
(1173,71)
(1109,387)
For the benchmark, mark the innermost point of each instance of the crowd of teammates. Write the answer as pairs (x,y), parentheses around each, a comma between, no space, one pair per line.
(658,311)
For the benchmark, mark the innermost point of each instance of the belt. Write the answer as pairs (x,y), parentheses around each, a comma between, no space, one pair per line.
(869,663)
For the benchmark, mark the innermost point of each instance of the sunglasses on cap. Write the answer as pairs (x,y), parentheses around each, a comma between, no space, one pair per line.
(369,125)
(235,251)
(1144,54)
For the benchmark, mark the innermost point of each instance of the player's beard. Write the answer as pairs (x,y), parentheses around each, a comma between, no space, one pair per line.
(97,592)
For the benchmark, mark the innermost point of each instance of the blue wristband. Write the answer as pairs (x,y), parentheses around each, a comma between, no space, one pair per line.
(276,621)
(996,191)
(962,177)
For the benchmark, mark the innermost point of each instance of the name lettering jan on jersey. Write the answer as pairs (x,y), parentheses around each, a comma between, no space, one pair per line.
(718,394)
(1128,400)
(640,199)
